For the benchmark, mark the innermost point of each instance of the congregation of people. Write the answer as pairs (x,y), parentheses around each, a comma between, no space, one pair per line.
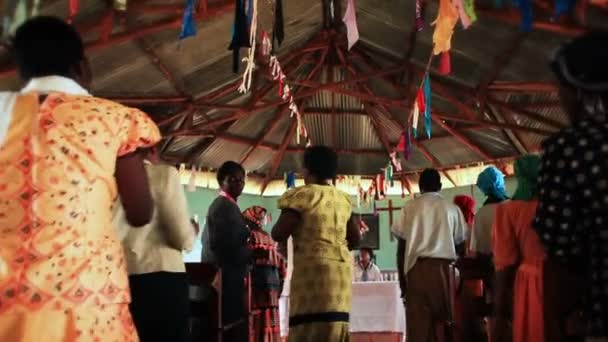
(93,226)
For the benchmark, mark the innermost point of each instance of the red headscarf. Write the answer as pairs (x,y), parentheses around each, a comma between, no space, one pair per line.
(467,205)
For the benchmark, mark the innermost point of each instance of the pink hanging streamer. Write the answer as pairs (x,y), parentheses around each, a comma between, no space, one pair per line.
(350,20)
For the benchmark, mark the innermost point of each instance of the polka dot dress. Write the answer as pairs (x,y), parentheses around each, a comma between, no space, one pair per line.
(572,218)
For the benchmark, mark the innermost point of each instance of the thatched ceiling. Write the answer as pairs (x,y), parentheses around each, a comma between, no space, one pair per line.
(497,103)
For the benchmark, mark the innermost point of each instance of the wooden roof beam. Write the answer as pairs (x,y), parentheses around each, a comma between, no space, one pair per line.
(463,139)
(144,30)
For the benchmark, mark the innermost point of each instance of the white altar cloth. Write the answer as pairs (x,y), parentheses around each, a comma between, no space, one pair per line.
(377,307)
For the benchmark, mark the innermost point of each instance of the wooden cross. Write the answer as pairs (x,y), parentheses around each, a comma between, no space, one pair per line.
(390,210)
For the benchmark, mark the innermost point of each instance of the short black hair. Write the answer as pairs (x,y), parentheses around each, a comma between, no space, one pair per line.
(227,169)
(321,162)
(430,181)
(44,46)
(369,251)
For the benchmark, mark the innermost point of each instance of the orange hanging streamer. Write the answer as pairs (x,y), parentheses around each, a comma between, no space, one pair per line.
(445,64)
(444,26)
(73,10)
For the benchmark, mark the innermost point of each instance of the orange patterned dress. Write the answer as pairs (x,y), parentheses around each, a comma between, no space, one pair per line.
(62,272)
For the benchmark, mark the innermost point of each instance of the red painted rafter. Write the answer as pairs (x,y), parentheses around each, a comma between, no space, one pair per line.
(162,67)
(462,138)
(278,157)
(523,87)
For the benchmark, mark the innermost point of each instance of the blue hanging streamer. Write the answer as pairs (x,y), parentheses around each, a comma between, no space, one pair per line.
(525,7)
(498,4)
(188,24)
(427,105)
(291,180)
(562,7)
(250,13)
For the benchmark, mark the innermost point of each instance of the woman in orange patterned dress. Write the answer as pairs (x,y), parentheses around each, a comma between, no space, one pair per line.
(518,259)
(64,157)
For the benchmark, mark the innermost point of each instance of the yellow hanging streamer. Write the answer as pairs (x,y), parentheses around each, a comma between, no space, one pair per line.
(444,26)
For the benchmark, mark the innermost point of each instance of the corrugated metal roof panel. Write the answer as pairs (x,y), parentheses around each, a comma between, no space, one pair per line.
(356,132)
(220,151)
(252,125)
(259,160)
(494,142)
(449,151)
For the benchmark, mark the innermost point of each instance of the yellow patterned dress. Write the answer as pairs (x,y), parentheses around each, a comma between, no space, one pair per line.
(320,299)
(62,271)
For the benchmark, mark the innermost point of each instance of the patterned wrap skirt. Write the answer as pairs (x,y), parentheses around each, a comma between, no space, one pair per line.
(320,300)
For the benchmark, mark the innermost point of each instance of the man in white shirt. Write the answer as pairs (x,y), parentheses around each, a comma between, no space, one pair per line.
(365,269)
(429,230)
(157,274)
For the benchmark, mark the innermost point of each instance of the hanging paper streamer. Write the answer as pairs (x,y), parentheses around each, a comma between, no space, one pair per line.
(444,26)
(363,228)
(388,175)
(403,145)
(73,10)
(562,7)
(498,4)
(285,94)
(415,115)
(350,20)
(462,13)
(469,8)
(266,44)
(419,18)
(394,161)
(525,7)
(188,24)
(381,185)
(240,34)
(445,64)
(291,180)
(250,59)
(278,30)
(427,104)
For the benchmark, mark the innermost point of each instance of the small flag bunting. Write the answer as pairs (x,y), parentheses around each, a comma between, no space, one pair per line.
(350,21)
(188,24)
(427,102)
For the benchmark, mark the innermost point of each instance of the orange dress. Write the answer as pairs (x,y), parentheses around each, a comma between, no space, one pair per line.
(62,271)
(514,241)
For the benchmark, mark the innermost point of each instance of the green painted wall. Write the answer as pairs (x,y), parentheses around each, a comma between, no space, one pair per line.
(200,200)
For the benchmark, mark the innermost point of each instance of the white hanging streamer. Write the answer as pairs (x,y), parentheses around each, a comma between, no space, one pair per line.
(277,74)
(250,59)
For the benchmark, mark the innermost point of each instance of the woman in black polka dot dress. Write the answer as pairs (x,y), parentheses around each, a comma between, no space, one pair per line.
(572,218)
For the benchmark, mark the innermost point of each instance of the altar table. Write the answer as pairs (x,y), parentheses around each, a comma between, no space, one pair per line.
(377,313)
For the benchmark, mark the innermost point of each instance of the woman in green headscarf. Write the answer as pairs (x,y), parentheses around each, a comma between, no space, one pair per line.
(518,260)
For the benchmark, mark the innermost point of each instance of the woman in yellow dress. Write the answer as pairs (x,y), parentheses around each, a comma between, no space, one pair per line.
(319,218)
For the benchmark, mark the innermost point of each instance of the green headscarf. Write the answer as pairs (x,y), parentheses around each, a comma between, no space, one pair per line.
(526,172)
